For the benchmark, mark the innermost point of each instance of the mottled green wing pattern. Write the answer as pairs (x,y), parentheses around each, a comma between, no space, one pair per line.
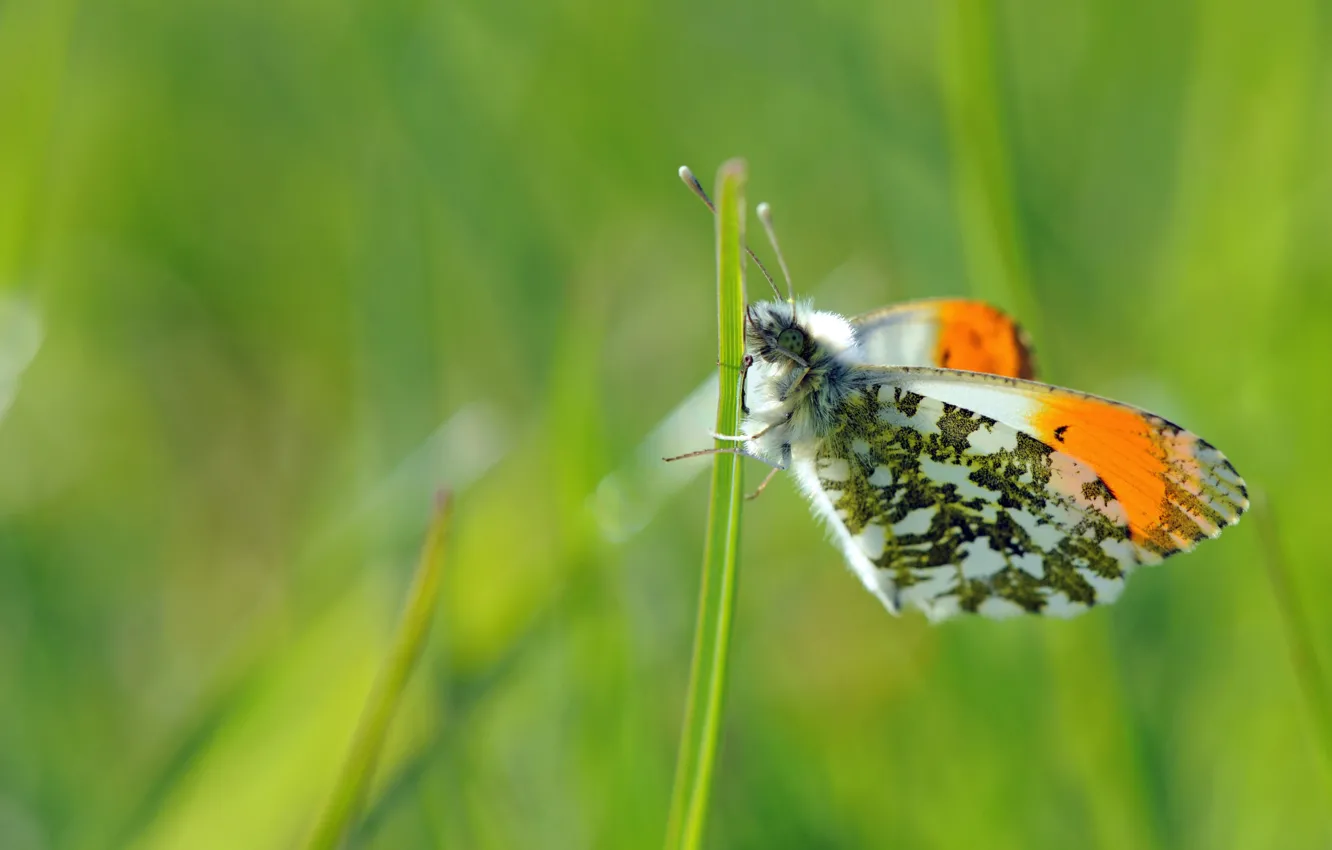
(951,511)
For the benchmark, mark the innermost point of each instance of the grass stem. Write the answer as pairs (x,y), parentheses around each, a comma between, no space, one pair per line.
(708,671)
(353,782)
(1303,657)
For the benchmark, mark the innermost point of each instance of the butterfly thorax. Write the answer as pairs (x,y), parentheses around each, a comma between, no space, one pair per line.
(799,375)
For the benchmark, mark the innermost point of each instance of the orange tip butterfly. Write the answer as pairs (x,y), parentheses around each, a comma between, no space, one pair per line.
(951,480)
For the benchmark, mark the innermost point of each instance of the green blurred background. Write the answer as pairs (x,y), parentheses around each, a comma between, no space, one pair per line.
(271,273)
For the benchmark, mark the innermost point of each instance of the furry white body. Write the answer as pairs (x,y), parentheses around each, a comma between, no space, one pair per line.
(791,422)
(788,415)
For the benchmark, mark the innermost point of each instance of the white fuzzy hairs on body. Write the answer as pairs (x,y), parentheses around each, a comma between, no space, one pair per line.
(782,421)
(788,428)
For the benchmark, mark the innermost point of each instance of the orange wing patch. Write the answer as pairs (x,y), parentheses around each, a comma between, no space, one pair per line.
(975,337)
(951,333)
(1175,488)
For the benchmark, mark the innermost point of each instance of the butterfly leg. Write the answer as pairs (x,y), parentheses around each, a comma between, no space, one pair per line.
(744,376)
(759,433)
(724,451)
(763,484)
(805,372)
(744,384)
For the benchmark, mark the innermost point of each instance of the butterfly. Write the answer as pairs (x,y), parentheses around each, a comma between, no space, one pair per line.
(950,478)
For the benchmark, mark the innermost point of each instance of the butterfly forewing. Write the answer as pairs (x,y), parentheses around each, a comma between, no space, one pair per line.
(952,333)
(1042,503)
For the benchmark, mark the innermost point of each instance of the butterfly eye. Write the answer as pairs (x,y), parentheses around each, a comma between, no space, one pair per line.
(792,340)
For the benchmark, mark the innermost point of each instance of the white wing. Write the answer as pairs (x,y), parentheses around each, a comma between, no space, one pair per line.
(957,492)
(951,333)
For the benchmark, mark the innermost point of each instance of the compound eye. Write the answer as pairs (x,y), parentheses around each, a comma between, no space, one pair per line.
(792,340)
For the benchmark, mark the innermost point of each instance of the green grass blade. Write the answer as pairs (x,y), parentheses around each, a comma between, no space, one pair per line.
(991,233)
(996,253)
(1303,656)
(353,782)
(708,671)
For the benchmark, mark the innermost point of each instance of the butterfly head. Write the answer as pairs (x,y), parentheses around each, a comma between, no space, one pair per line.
(774,335)
(778,335)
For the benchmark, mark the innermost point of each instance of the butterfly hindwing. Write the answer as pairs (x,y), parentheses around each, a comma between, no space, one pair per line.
(1044,502)
(951,333)
(1175,487)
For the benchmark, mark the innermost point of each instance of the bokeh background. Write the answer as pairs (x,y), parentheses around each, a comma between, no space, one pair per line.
(272,273)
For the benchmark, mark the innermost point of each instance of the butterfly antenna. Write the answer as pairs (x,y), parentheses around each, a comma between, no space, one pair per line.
(692,182)
(765,216)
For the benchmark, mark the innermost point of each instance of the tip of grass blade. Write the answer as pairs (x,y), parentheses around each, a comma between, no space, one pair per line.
(353,781)
(708,670)
(443,502)
(734,167)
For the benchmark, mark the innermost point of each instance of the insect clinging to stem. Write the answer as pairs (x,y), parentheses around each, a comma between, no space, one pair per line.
(951,479)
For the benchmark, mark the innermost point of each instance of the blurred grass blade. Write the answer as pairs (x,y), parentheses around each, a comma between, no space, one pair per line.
(983,182)
(996,252)
(708,671)
(1303,657)
(354,781)
(21,335)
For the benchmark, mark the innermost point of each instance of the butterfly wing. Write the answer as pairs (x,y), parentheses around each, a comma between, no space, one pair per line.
(959,492)
(951,333)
